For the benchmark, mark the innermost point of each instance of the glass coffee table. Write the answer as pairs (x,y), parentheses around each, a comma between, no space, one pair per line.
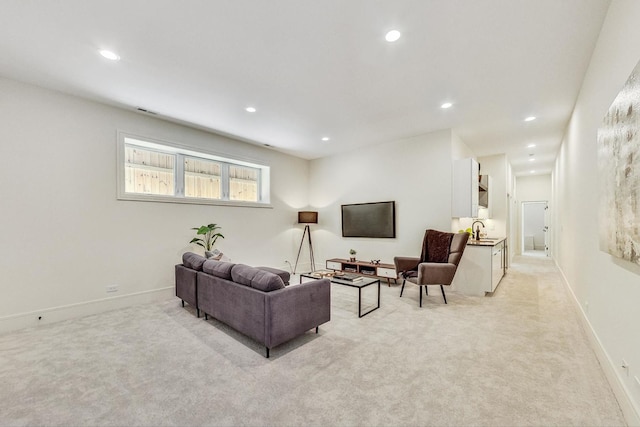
(360,284)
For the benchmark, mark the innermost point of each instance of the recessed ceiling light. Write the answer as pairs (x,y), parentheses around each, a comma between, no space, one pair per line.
(392,35)
(532,159)
(325,138)
(446,105)
(250,109)
(530,119)
(110,55)
(531,145)
(532,171)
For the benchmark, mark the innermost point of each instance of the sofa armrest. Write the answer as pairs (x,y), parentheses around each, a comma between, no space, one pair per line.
(292,311)
(435,273)
(186,285)
(404,263)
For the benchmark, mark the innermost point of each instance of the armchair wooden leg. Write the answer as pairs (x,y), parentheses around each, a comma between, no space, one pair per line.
(426,292)
(443,295)
(402,289)
(420,297)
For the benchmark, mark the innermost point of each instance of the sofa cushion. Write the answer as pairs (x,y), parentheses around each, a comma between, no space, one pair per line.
(256,278)
(193,261)
(219,269)
(284,275)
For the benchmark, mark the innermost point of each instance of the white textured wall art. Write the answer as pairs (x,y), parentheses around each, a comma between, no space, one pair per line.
(619,173)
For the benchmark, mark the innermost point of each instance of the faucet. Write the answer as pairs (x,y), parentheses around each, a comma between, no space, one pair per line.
(477,232)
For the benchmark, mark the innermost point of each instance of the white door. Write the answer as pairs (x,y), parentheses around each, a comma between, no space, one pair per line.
(534,228)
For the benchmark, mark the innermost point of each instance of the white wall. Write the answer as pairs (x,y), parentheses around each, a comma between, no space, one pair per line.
(65,237)
(415,172)
(535,188)
(606,288)
(460,150)
(512,218)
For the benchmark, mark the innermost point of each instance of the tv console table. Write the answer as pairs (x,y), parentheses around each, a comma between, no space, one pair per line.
(366,268)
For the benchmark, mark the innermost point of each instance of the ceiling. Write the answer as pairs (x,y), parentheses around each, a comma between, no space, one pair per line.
(321,68)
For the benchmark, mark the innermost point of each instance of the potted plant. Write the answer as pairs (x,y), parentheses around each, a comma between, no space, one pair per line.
(352,252)
(208,239)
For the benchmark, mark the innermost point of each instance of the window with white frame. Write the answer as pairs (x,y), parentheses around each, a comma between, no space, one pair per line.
(243,183)
(159,171)
(148,172)
(203,179)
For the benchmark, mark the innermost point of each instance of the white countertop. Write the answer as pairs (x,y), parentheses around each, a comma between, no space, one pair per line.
(487,241)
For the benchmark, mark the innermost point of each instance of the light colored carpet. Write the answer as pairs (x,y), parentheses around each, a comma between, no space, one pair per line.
(519,357)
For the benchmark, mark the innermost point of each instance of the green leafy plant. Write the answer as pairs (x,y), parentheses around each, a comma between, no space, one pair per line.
(210,235)
(468,231)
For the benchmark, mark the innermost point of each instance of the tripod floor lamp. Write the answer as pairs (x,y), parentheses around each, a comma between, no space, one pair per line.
(306,218)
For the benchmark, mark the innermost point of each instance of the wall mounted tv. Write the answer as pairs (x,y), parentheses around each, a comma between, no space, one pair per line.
(377,220)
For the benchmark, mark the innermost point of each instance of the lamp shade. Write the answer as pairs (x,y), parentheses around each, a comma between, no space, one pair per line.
(307,217)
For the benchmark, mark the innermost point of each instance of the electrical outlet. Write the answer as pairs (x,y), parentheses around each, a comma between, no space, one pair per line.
(112,289)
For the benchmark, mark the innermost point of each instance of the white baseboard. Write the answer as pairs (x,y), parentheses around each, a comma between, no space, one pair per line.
(71,311)
(629,410)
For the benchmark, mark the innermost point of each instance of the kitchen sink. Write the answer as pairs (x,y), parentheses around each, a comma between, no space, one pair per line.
(483,240)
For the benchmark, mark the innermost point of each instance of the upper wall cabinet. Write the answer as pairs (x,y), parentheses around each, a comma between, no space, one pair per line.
(484,196)
(464,200)
(483,191)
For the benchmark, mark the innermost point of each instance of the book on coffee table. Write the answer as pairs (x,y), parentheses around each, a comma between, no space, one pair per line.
(348,277)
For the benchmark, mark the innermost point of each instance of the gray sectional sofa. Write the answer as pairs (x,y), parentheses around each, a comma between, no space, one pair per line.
(253,300)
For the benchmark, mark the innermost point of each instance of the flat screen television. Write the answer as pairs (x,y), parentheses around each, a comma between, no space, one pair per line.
(377,220)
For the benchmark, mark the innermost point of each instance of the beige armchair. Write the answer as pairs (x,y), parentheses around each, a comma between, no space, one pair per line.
(437,265)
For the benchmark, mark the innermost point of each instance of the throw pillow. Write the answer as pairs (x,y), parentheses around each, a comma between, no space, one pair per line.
(219,269)
(256,278)
(284,275)
(193,261)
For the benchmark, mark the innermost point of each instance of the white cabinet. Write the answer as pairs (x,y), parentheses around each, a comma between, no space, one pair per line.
(481,269)
(464,200)
(334,265)
(386,271)
(389,273)
(484,195)
(497,265)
